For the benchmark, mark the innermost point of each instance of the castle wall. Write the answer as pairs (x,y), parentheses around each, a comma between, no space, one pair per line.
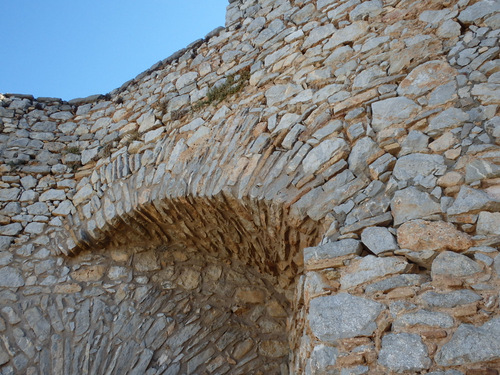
(312,189)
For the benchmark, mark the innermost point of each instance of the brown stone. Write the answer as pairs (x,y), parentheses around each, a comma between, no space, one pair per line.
(450,179)
(242,348)
(249,295)
(482,371)
(273,348)
(351,360)
(401,293)
(88,274)
(434,334)
(67,288)
(276,310)
(144,262)
(419,235)
(189,279)
(119,255)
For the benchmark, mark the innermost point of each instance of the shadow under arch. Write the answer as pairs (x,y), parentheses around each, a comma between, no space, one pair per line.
(218,274)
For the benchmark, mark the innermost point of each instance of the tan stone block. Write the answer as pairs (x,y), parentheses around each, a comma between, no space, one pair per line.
(89,274)
(273,348)
(242,348)
(67,289)
(434,334)
(420,235)
(249,295)
(450,179)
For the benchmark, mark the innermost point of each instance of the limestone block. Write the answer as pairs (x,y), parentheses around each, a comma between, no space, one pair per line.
(343,316)
(452,264)
(370,268)
(471,344)
(404,352)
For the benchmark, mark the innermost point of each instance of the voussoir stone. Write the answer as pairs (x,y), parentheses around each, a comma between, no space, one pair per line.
(404,352)
(370,268)
(325,255)
(452,264)
(421,235)
(343,316)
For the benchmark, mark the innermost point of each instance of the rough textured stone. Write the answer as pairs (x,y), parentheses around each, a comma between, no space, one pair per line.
(426,77)
(395,282)
(411,166)
(452,264)
(330,150)
(392,111)
(447,120)
(404,352)
(423,317)
(451,299)
(378,240)
(471,344)
(421,235)
(488,223)
(323,256)
(10,277)
(370,268)
(411,203)
(471,200)
(342,316)
(322,357)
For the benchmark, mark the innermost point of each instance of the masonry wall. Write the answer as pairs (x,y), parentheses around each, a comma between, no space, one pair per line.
(313,189)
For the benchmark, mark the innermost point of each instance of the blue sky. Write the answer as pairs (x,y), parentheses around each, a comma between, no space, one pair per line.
(76,48)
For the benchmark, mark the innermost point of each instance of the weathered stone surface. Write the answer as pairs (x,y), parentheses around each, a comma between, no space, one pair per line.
(451,299)
(421,235)
(452,264)
(323,256)
(342,316)
(411,203)
(411,166)
(347,34)
(392,111)
(364,152)
(10,277)
(89,274)
(471,200)
(425,78)
(370,268)
(488,223)
(7,195)
(378,240)
(330,150)
(404,352)
(395,282)
(471,344)
(322,357)
(447,120)
(423,317)
(478,10)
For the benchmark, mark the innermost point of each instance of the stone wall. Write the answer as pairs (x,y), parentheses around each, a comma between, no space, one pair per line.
(313,189)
